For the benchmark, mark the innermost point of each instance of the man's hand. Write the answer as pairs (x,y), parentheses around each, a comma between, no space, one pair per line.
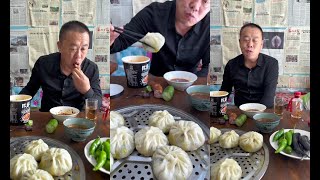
(113,35)
(80,81)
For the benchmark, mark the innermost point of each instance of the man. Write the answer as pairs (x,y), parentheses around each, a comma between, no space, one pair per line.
(185,26)
(66,77)
(253,75)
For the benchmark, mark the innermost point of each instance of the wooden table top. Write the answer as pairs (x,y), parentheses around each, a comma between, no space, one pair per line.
(40,119)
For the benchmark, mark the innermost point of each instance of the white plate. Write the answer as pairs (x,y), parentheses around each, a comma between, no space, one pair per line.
(293,154)
(91,158)
(115,90)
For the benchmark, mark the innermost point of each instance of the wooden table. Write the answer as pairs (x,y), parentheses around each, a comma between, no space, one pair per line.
(40,119)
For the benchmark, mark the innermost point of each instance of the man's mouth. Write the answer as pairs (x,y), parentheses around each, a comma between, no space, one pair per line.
(189,16)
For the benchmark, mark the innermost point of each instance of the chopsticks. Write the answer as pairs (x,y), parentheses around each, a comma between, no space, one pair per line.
(133,35)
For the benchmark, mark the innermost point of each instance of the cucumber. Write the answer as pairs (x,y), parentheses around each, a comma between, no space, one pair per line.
(168,93)
(51,126)
(241,120)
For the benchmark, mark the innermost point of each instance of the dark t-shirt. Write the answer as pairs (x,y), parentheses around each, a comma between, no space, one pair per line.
(178,52)
(58,89)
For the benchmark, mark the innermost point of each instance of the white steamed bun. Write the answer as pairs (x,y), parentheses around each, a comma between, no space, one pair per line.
(21,163)
(38,174)
(226,169)
(214,135)
(229,139)
(36,148)
(251,141)
(156,40)
(122,142)
(116,119)
(162,120)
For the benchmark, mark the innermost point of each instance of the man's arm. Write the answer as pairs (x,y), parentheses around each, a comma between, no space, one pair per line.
(270,84)
(33,85)
(227,83)
(95,89)
(205,64)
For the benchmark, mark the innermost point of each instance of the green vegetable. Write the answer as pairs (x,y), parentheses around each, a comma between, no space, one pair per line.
(241,120)
(288,149)
(148,88)
(278,135)
(29,123)
(283,144)
(51,125)
(107,165)
(168,93)
(101,160)
(106,148)
(94,146)
(288,136)
(225,117)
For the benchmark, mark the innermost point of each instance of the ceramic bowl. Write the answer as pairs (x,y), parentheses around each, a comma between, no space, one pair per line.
(180,80)
(266,122)
(199,97)
(62,113)
(250,109)
(78,129)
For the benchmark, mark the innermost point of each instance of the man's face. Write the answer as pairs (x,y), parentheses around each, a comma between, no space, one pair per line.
(73,48)
(190,12)
(251,43)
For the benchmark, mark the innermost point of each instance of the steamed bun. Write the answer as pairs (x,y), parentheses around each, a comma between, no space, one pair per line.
(36,148)
(171,162)
(21,163)
(57,161)
(156,40)
(188,135)
(148,139)
(116,119)
(229,139)
(38,174)
(162,120)
(226,169)
(214,135)
(122,142)
(251,141)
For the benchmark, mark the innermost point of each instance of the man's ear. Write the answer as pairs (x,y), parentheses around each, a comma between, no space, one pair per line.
(59,46)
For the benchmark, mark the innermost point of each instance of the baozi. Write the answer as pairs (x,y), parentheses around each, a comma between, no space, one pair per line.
(162,120)
(57,161)
(122,142)
(116,119)
(36,148)
(188,135)
(38,174)
(214,135)
(21,163)
(171,162)
(156,40)
(229,139)
(251,141)
(148,139)
(226,169)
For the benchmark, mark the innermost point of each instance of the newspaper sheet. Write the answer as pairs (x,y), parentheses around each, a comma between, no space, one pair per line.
(299,13)
(103,12)
(297,54)
(237,12)
(18,12)
(42,41)
(137,5)
(81,10)
(19,64)
(120,12)
(102,47)
(299,82)
(230,44)
(215,13)
(104,81)
(271,13)
(43,13)
(216,66)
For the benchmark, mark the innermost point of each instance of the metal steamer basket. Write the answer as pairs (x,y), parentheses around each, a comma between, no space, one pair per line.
(253,165)
(137,166)
(18,144)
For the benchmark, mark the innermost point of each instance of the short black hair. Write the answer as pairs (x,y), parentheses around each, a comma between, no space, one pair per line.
(73,26)
(253,25)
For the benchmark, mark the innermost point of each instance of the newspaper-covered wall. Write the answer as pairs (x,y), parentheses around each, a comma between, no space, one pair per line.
(286,26)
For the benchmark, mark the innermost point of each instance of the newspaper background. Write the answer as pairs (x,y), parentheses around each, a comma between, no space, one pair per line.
(43,13)
(18,12)
(82,10)
(137,5)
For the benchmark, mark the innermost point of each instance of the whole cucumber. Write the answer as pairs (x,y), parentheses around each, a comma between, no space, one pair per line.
(168,93)
(241,120)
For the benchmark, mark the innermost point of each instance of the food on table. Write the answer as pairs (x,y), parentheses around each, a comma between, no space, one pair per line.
(251,141)
(21,163)
(94,146)
(171,162)
(241,119)
(225,169)
(100,150)
(161,119)
(57,161)
(36,148)
(278,135)
(51,126)
(109,163)
(148,139)
(65,112)
(179,80)
(116,119)
(297,146)
(122,142)
(229,139)
(214,135)
(157,89)
(168,93)
(231,117)
(156,40)
(188,135)
(28,125)
(37,174)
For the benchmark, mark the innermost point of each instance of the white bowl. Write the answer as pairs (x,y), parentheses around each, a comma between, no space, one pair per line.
(250,109)
(189,78)
(62,113)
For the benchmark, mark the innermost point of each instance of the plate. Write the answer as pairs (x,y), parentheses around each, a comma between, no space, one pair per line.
(116,90)
(18,144)
(293,154)
(91,158)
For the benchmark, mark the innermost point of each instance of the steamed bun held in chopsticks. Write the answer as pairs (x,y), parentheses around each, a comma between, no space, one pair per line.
(156,40)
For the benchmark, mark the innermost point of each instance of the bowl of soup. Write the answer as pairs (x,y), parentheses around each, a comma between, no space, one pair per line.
(266,122)
(199,97)
(78,129)
(180,80)
(62,113)
(250,109)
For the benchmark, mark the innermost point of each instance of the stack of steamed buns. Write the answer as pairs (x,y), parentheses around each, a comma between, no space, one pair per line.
(169,157)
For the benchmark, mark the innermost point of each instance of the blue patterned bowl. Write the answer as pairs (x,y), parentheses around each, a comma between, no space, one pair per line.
(199,96)
(78,129)
(266,122)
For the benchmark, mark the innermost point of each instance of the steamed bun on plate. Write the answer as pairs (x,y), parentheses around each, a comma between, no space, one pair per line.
(21,163)
(38,174)
(214,135)
(148,139)
(156,40)
(229,139)
(225,169)
(171,162)
(121,142)
(162,120)
(116,119)
(251,141)
(36,148)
